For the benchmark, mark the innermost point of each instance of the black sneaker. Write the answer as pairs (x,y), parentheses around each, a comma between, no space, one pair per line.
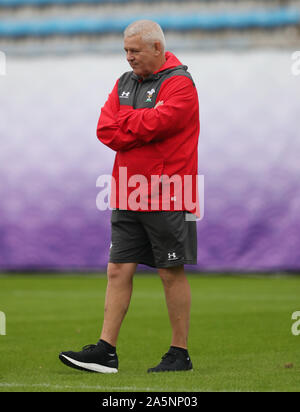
(173,360)
(92,358)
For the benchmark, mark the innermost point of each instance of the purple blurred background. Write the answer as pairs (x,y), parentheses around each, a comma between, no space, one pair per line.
(50,159)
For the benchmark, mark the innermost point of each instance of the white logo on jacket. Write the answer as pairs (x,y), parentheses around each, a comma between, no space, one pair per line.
(125,95)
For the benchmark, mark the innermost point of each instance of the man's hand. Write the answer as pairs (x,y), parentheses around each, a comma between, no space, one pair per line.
(158,104)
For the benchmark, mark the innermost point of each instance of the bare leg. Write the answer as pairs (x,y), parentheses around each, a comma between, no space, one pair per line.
(117,299)
(178,298)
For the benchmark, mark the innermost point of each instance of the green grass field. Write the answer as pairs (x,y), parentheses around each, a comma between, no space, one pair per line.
(240,334)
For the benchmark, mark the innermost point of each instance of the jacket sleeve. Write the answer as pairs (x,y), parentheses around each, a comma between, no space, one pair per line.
(179,96)
(108,129)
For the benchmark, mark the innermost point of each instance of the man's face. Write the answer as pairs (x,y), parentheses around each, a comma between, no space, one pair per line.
(142,56)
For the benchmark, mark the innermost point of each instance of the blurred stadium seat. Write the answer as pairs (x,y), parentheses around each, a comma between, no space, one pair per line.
(62,26)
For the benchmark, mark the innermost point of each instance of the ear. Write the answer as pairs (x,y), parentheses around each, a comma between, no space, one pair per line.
(157,48)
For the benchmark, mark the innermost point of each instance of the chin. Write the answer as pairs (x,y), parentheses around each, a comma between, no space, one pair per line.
(141,74)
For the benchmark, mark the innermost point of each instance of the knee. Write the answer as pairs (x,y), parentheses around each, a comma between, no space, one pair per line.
(170,276)
(167,278)
(120,272)
(114,271)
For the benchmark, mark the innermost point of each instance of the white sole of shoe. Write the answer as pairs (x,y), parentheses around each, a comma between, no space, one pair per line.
(91,366)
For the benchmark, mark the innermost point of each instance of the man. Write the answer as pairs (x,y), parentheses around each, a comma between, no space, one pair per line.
(151,120)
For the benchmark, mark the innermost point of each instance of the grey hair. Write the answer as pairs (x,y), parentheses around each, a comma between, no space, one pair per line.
(149,30)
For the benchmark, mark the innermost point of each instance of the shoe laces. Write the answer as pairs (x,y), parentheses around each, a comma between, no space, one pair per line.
(89,347)
(168,357)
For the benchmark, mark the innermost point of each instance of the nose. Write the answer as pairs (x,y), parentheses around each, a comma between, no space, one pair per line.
(129,56)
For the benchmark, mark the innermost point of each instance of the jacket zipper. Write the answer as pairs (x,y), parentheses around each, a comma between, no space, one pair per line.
(136,94)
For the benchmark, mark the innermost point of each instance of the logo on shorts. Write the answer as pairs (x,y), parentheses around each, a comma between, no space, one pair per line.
(172,256)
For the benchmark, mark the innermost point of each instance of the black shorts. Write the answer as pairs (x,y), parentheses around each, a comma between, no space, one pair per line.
(157,239)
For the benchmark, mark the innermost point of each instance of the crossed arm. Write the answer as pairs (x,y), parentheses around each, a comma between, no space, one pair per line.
(124,128)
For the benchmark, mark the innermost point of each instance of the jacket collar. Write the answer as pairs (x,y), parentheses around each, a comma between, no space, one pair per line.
(171,63)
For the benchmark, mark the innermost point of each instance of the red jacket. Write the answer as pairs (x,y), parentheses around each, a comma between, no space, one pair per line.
(153,142)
